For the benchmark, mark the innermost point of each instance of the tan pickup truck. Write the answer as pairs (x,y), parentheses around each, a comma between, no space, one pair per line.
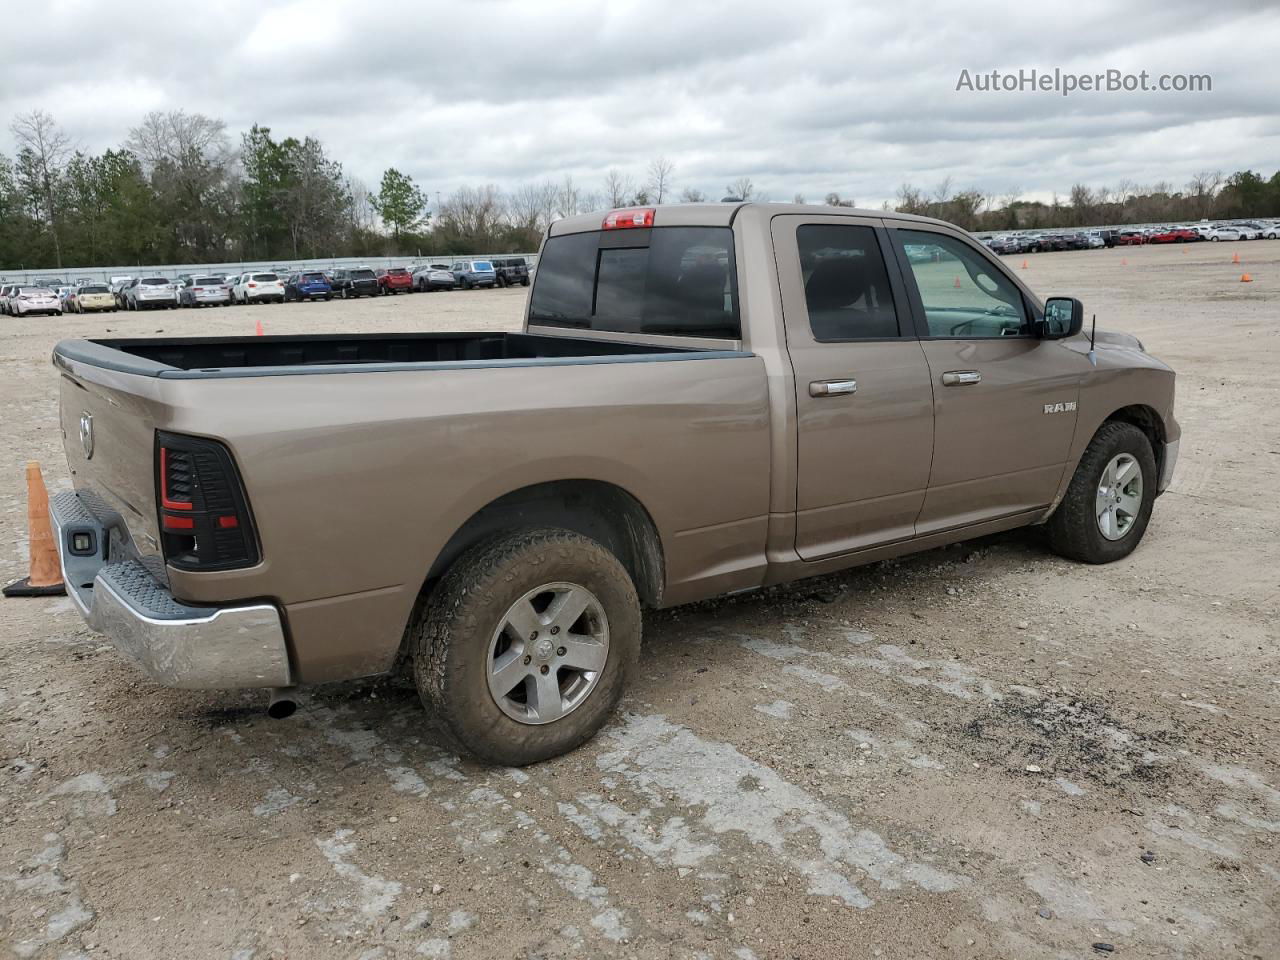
(704,399)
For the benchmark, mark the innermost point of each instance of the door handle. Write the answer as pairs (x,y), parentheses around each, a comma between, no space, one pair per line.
(832,388)
(961,378)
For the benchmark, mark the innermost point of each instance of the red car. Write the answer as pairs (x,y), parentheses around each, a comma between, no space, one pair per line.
(395,280)
(1173,235)
(1130,238)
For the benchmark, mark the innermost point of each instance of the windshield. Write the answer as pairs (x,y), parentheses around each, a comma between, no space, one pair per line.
(667,280)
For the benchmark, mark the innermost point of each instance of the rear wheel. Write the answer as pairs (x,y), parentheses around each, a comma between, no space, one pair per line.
(1108,504)
(526,644)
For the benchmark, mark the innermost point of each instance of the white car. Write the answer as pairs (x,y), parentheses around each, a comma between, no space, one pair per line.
(258,288)
(1225,231)
(1249,231)
(31,300)
(203,291)
(151,293)
(1271,231)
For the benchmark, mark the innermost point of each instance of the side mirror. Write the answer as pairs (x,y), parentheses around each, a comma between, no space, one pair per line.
(1063,317)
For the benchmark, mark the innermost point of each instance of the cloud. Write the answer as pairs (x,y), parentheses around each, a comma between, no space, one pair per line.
(803,97)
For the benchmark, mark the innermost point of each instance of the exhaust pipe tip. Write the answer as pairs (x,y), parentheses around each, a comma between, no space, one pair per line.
(281,704)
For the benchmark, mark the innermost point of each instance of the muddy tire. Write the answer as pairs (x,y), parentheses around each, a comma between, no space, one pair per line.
(1108,504)
(504,665)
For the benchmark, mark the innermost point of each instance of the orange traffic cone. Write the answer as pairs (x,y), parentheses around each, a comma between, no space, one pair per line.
(258,328)
(957,283)
(45,578)
(1235,258)
(1245,278)
(1024,264)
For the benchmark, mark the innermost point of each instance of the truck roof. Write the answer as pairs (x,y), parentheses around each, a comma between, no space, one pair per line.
(723,214)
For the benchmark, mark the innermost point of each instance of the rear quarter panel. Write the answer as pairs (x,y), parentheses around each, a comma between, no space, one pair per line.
(357,480)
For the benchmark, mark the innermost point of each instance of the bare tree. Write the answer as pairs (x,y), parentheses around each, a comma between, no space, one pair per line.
(910,200)
(569,198)
(618,189)
(661,171)
(692,195)
(531,207)
(363,215)
(179,138)
(188,157)
(741,189)
(471,216)
(834,199)
(798,198)
(1203,189)
(1082,205)
(47,149)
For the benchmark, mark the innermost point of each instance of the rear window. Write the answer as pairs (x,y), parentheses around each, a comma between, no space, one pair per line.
(94,289)
(208,281)
(154,282)
(362,274)
(666,280)
(265,277)
(35,292)
(313,278)
(397,271)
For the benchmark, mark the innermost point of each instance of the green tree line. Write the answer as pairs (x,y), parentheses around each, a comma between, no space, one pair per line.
(180,189)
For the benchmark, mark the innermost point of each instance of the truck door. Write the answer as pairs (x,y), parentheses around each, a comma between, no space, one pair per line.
(1005,400)
(863,398)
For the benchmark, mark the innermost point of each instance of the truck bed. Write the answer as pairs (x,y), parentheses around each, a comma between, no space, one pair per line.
(204,357)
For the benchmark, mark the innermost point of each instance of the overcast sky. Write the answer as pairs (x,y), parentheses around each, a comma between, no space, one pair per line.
(803,97)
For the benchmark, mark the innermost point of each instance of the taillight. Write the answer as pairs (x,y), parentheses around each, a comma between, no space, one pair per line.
(250,284)
(625,219)
(204,516)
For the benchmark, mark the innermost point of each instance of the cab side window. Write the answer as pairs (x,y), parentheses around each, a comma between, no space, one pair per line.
(846,285)
(964,296)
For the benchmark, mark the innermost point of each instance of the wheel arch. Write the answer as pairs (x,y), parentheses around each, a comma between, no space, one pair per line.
(1147,420)
(603,511)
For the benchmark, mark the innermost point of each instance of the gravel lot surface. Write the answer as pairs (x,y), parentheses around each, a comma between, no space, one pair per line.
(983,751)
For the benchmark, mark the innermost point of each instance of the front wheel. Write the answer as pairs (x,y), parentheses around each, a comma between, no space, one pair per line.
(1108,504)
(523,649)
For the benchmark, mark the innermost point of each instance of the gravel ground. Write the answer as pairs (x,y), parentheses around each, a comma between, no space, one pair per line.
(978,751)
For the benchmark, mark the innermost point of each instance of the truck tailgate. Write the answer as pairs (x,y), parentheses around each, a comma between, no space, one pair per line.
(108,432)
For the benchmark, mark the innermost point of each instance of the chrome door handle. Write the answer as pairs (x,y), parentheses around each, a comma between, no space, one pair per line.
(832,388)
(961,378)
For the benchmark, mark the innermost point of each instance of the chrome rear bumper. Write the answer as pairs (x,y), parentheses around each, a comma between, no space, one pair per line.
(173,643)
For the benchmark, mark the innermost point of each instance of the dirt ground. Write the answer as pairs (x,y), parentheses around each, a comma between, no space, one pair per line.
(983,751)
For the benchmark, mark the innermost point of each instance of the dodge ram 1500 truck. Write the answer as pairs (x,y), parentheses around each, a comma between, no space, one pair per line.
(703,399)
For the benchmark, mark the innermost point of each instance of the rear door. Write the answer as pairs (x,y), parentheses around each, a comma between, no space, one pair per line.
(1005,400)
(863,399)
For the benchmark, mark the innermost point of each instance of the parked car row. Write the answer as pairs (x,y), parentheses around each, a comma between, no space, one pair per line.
(214,290)
(1043,241)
